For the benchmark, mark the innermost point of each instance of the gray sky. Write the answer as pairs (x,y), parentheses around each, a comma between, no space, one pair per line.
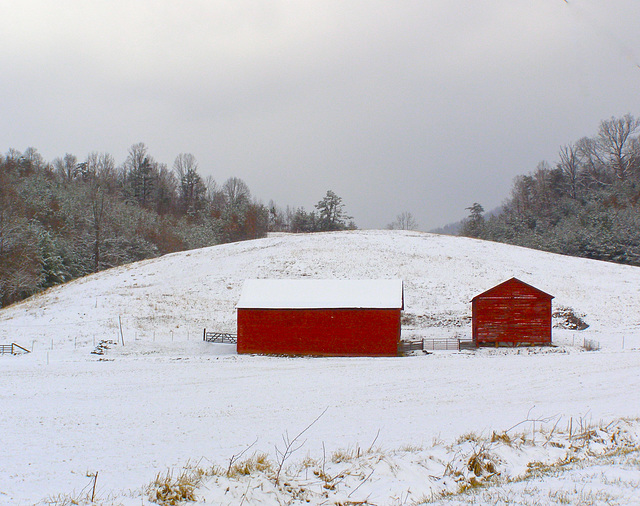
(423,106)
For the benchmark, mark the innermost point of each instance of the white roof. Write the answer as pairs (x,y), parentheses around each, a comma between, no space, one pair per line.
(321,293)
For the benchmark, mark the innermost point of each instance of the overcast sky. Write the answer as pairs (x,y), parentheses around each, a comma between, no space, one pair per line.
(423,106)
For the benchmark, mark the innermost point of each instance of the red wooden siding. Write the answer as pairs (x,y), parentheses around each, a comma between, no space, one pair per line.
(328,332)
(512,313)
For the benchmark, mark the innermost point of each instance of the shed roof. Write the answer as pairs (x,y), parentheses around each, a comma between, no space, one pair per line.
(508,284)
(322,294)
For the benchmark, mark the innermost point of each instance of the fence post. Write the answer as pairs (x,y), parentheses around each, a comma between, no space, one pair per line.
(121,334)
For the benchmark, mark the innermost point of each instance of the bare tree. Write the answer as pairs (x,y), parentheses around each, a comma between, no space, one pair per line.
(594,167)
(634,158)
(165,190)
(67,166)
(277,218)
(614,141)
(404,221)
(184,163)
(570,167)
(236,192)
(215,197)
(96,221)
(33,158)
(191,188)
(141,173)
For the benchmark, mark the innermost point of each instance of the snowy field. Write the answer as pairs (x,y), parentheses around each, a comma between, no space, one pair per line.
(165,399)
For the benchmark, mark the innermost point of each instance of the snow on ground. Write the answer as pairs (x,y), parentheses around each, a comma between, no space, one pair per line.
(601,480)
(166,398)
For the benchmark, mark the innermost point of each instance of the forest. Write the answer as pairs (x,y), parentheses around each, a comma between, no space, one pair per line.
(67,218)
(586,204)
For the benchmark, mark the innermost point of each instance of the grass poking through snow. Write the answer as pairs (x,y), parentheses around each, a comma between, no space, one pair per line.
(499,468)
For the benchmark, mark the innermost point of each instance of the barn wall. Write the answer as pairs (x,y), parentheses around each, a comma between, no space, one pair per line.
(338,332)
(512,320)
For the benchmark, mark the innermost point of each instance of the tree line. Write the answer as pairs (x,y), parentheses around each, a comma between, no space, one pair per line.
(64,219)
(586,204)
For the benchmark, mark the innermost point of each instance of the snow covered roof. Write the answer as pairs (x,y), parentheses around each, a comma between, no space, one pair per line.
(321,293)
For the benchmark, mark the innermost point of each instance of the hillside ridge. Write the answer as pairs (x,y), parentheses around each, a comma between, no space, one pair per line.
(192,290)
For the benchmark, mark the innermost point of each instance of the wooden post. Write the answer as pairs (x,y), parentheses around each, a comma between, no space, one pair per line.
(121,334)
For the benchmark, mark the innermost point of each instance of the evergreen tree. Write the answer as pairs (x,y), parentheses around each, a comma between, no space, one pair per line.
(473,225)
(331,214)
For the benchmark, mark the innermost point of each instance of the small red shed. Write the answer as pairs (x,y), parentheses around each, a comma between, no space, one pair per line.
(510,314)
(320,317)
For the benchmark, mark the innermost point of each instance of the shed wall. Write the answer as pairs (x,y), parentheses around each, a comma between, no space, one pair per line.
(512,321)
(337,332)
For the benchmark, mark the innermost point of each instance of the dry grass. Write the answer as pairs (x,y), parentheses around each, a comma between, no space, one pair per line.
(482,463)
(468,437)
(169,491)
(591,345)
(409,448)
(257,463)
(62,500)
(501,437)
(309,462)
(342,455)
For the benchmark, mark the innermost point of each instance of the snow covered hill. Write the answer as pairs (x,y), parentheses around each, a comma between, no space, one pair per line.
(164,398)
(180,294)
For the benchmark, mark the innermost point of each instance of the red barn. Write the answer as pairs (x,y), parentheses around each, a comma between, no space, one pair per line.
(320,317)
(510,314)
